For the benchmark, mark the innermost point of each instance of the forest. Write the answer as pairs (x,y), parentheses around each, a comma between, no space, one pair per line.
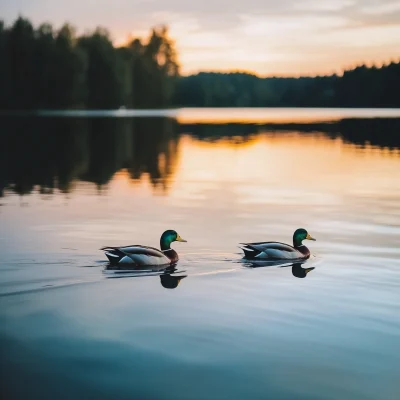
(44,68)
(359,87)
(47,68)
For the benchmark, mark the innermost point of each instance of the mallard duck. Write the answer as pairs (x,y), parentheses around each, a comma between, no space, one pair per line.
(145,256)
(277,250)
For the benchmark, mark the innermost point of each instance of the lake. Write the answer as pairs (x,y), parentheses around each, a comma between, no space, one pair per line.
(215,327)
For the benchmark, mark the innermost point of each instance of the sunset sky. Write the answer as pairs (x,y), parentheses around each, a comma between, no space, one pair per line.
(268,37)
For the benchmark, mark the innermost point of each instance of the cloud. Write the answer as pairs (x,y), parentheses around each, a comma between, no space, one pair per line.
(218,13)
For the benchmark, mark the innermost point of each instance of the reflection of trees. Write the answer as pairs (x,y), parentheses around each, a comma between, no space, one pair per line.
(380,132)
(53,152)
(158,134)
(48,155)
(213,132)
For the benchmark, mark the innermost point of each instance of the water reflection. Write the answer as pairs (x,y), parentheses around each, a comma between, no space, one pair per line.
(299,272)
(298,269)
(227,320)
(53,153)
(379,132)
(169,281)
(167,276)
(171,276)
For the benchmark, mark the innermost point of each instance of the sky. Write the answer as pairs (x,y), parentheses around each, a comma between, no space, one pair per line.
(267,37)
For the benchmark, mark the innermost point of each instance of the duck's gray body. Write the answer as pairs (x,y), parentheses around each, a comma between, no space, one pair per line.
(139,255)
(274,251)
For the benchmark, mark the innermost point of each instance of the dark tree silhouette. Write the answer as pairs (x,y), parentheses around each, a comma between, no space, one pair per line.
(359,87)
(46,69)
(105,71)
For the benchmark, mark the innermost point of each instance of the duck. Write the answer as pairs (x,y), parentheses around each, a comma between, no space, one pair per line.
(141,256)
(279,251)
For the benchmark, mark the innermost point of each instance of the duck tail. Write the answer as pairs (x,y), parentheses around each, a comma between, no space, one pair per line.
(113,255)
(249,253)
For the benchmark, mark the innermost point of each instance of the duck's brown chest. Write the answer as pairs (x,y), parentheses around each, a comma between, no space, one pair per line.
(304,250)
(172,255)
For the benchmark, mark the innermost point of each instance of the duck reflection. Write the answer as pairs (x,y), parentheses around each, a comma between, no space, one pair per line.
(168,279)
(299,272)
(297,269)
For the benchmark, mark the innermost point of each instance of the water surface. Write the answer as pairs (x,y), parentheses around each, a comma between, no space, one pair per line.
(213,328)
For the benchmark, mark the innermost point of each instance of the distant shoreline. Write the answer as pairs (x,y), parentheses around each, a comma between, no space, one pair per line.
(222,115)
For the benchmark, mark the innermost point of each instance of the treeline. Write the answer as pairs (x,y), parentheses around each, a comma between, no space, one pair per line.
(359,87)
(44,68)
(381,133)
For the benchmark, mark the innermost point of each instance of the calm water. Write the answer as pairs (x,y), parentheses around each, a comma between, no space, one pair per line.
(214,328)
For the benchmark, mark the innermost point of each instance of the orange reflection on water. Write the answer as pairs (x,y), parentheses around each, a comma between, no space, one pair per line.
(277,115)
(269,181)
(237,187)
(284,167)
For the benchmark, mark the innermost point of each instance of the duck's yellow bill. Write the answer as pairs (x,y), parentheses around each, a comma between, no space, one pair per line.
(179,239)
(309,237)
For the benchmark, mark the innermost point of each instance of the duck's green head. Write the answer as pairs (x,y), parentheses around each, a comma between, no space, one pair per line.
(168,237)
(300,235)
